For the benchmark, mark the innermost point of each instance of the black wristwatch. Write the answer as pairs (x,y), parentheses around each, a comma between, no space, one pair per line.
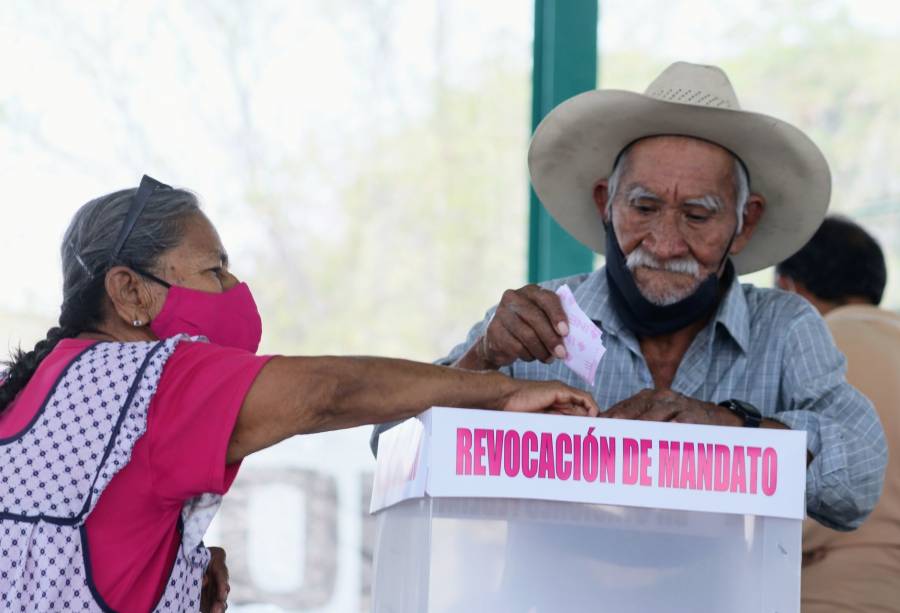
(746,411)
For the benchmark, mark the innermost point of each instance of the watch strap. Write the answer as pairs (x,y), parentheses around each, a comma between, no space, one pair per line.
(750,415)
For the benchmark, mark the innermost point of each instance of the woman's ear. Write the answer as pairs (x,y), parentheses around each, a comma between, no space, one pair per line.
(131,298)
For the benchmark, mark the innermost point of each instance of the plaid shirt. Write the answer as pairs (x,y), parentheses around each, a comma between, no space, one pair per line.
(766,347)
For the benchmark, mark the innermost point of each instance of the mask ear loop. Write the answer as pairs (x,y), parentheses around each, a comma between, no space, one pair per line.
(730,243)
(721,265)
(151,277)
(735,233)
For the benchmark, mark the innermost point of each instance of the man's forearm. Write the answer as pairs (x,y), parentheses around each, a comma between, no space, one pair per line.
(777,425)
(771,423)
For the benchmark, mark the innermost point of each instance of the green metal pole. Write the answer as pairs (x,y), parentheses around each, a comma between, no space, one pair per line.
(565,64)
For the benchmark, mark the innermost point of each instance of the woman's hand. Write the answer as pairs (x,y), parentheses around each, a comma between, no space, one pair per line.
(214,595)
(551,396)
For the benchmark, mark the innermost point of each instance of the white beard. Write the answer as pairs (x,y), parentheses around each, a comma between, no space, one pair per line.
(640,258)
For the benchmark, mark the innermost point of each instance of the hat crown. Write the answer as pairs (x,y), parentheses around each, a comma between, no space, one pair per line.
(694,84)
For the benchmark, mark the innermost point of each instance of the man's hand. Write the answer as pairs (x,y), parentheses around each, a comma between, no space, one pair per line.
(666,405)
(214,595)
(528,325)
(551,396)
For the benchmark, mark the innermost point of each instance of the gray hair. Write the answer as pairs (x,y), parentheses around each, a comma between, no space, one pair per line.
(741,191)
(739,176)
(90,238)
(86,258)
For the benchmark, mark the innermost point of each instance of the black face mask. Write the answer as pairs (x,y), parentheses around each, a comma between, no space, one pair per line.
(643,317)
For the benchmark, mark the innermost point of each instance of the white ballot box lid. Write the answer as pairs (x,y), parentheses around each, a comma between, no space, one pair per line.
(473,453)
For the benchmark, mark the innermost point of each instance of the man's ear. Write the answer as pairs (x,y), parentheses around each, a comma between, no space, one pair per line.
(130,297)
(601,195)
(753,212)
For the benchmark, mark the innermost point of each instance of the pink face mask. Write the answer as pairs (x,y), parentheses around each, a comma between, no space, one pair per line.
(230,319)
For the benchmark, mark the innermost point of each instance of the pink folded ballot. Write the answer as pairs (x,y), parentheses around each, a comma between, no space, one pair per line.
(584,344)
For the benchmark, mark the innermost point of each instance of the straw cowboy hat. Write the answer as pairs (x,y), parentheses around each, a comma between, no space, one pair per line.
(576,145)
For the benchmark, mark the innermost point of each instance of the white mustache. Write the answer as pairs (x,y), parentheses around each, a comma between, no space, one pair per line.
(639,257)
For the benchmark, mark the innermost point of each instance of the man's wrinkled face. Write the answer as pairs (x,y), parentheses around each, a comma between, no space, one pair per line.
(674,214)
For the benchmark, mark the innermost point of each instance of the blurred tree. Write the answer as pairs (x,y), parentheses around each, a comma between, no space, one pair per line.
(327,214)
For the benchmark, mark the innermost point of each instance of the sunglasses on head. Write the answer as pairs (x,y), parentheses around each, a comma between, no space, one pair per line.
(146,189)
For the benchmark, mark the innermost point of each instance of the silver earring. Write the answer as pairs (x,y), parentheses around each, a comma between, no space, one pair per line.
(137,323)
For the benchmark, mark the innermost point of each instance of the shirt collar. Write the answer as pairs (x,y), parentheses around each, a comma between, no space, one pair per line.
(732,314)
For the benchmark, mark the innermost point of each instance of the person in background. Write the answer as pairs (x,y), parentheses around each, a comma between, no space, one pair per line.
(842,272)
(122,429)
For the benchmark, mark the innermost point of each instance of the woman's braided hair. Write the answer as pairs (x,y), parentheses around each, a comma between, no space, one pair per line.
(86,257)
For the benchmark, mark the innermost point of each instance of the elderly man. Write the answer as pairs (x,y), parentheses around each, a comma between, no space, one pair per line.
(842,272)
(682,191)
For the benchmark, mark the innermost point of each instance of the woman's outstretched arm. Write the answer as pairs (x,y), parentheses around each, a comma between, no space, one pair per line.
(301,395)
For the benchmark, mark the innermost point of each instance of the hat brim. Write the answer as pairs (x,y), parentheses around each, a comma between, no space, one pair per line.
(576,145)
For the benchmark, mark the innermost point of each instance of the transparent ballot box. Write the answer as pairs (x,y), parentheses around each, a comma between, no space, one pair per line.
(645,517)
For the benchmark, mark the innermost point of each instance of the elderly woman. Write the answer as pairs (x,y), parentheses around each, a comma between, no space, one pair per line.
(120,431)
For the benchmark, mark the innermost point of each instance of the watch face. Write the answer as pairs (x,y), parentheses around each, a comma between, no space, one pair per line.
(746,411)
(747,407)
